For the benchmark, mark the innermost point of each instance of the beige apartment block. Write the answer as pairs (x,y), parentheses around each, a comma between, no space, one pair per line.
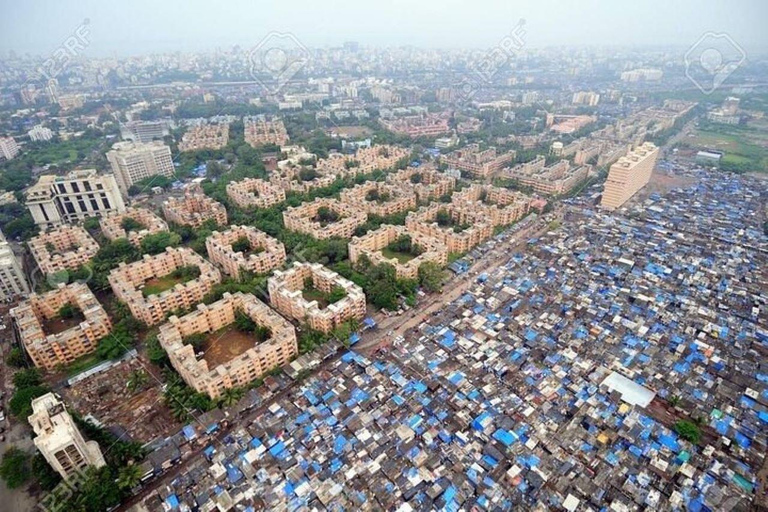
(260,131)
(498,205)
(628,175)
(128,280)
(63,248)
(477,227)
(60,441)
(374,242)
(194,210)
(289,178)
(50,340)
(265,252)
(426,182)
(205,136)
(556,179)
(132,162)
(427,125)
(379,198)
(254,193)
(286,296)
(364,161)
(303,219)
(112,225)
(480,164)
(239,363)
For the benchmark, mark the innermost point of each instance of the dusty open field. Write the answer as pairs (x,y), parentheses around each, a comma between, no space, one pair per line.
(226,344)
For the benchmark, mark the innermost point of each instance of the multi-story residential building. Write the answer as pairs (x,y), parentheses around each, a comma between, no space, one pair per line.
(364,161)
(426,182)
(212,372)
(135,224)
(587,153)
(628,175)
(559,178)
(51,340)
(324,218)
(71,101)
(194,210)
(499,206)
(463,228)
(374,244)
(128,282)
(132,162)
(144,131)
(54,200)
(205,136)
(60,441)
(13,283)
(587,98)
(8,148)
(260,131)
(261,254)
(40,133)
(427,125)
(255,193)
(480,164)
(286,295)
(379,198)
(63,248)
(569,124)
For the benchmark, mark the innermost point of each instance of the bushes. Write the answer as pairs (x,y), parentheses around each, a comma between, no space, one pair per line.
(157,242)
(20,404)
(15,468)
(688,431)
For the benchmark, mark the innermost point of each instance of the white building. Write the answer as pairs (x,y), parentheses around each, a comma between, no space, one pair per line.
(54,200)
(132,162)
(12,280)
(144,131)
(40,133)
(8,148)
(59,440)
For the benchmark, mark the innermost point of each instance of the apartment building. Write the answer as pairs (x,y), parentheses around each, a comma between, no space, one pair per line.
(427,125)
(556,179)
(466,228)
(341,221)
(628,175)
(255,193)
(209,372)
(55,200)
(13,283)
(587,153)
(499,206)
(263,253)
(128,280)
(134,161)
(205,136)
(51,340)
(364,161)
(194,210)
(113,226)
(426,182)
(379,198)
(260,131)
(60,441)
(8,148)
(587,98)
(286,296)
(40,133)
(480,164)
(373,243)
(144,131)
(63,248)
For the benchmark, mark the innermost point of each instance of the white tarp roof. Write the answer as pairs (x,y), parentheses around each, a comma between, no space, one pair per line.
(631,392)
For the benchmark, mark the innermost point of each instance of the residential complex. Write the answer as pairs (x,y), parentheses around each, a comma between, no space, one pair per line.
(427,125)
(8,148)
(53,339)
(60,441)
(629,175)
(374,245)
(324,218)
(260,131)
(161,284)
(55,200)
(205,136)
(63,248)
(363,161)
(194,210)
(286,295)
(244,248)
(556,179)
(254,193)
(134,161)
(13,283)
(244,358)
(40,133)
(135,224)
(479,164)
(458,227)
(144,131)
(379,198)
(426,182)
(496,205)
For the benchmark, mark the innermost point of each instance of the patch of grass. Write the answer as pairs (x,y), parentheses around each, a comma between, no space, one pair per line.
(158,285)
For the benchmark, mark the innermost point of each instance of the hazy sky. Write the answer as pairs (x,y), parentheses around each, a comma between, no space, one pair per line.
(131,27)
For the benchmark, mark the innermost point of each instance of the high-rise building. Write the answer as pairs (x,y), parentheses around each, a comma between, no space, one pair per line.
(54,200)
(59,440)
(144,131)
(52,90)
(132,162)
(12,280)
(8,148)
(40,133)
(628,175)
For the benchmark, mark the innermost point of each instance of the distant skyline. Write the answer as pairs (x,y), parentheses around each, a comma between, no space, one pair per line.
(141,26)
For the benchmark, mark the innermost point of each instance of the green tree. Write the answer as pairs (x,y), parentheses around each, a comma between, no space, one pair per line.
(157,242)
(20,404)
(688,431)
(230,396)
(47,478)
(27,378)
(15,358)
(431,276)
(129,476)
(15,468)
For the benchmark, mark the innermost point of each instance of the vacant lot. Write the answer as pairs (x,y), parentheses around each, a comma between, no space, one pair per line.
(402,257)
(160,284)
(58,324)
(226,344)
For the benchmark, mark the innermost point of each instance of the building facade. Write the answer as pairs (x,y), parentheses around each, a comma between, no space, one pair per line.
(13,283)
(194,210)
(8,148)
(426,182)
(304,219)
(499,206)
(63,248)
(132,162)
(113,226)
(254,193)
(556,179)
(468,228)
(379,198)
(628,175)
(264,254)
